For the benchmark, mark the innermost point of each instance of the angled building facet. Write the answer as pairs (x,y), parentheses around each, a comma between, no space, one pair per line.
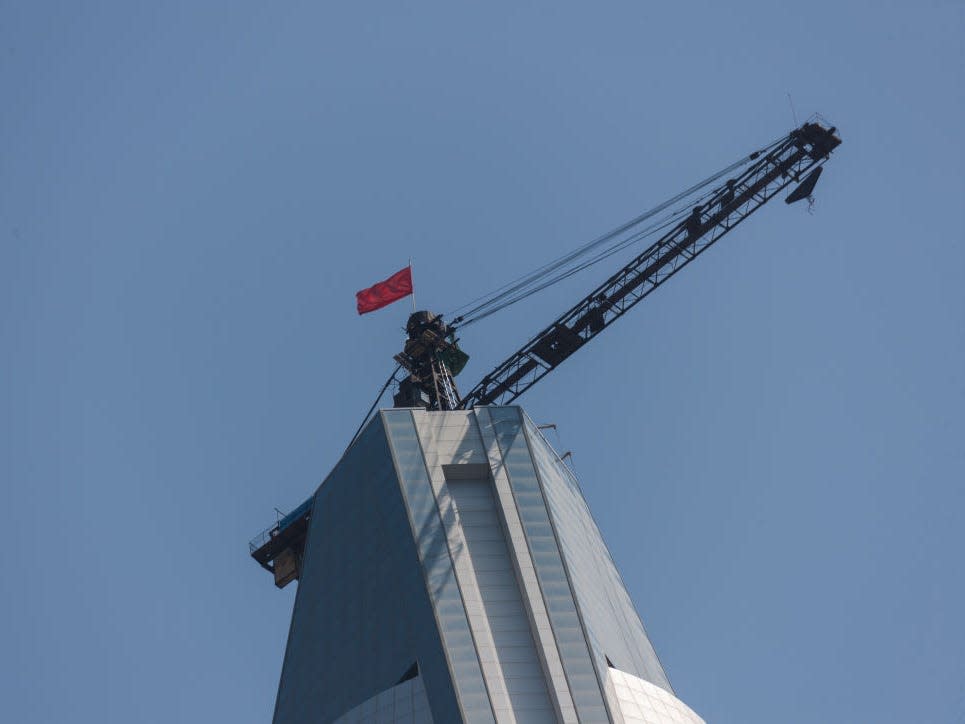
(453,573)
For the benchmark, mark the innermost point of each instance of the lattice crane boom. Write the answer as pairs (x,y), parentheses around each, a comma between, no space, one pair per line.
(797,158)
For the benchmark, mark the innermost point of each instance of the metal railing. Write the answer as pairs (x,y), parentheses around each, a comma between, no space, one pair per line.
(268,533)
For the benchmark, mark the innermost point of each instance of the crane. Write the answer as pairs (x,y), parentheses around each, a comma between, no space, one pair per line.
(432,356)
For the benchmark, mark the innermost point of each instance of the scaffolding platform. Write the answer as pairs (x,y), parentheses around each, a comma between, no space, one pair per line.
(279,549)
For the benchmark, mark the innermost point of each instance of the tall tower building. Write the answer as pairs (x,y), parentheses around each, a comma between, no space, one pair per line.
(452,572)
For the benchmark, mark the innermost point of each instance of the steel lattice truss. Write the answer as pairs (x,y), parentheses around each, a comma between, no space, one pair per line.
(802,151)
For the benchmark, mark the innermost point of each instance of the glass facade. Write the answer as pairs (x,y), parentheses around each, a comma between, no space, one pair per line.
(614,629)
(362,614)
(458,546)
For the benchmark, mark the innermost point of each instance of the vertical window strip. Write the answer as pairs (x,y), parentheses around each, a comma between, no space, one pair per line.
(558,597)
(438,569)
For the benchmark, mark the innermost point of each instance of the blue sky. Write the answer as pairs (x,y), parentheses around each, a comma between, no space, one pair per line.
(191,193)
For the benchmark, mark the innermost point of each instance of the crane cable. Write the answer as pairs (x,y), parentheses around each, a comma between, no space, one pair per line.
(524,287)
(558,269)
(369,413)
(566,273)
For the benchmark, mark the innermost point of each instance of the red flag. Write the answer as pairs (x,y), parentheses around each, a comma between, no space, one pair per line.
(384,293)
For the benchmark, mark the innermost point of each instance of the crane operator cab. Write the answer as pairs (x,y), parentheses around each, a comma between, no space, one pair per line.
(432,357)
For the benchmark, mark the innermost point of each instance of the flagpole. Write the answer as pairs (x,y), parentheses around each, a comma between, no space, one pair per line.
(413,284)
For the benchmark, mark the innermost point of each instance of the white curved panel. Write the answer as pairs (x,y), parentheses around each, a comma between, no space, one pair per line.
(644,703)
(405,702)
